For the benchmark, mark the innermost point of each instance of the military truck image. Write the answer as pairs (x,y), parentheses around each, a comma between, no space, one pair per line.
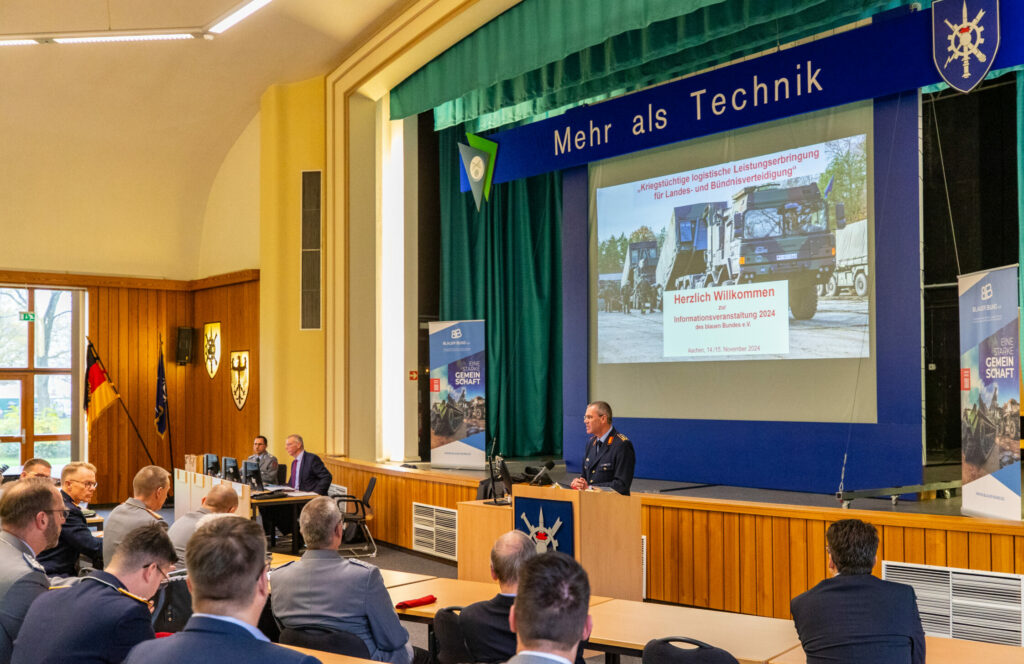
(851,261)
(637,282)
(767,233)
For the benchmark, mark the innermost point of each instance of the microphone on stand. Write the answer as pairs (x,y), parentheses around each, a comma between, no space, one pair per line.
(543,471)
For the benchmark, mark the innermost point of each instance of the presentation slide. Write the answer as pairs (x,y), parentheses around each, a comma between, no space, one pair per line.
(764,257)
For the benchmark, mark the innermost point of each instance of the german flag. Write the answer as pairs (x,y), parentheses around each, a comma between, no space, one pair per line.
(99,391)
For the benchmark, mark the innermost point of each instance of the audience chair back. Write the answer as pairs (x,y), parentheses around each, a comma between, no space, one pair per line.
(282,473)
(451,644)
(172,605)
(662,651)
(328,640)
(357,513)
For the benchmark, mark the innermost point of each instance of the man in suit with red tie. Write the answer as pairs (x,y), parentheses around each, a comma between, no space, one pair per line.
(308,472)
(609,459)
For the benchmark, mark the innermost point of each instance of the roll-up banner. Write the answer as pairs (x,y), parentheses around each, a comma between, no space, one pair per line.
(990,393)
(458,405)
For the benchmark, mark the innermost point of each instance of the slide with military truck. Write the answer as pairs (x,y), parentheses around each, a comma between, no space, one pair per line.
(759,258)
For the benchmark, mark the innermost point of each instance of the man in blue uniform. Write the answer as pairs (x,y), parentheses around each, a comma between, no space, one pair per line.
(323,589)
(609,458)
(228,576)
(103,616)
(32,512)
(854,616)
(78,484)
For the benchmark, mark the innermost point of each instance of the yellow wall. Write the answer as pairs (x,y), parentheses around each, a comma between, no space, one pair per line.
(292,380)
(231,224)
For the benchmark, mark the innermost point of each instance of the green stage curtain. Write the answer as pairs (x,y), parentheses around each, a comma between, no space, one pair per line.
(544,56)
(503,265)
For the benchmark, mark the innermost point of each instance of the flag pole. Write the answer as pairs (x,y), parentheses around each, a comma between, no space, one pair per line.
(170,443)
(121,401)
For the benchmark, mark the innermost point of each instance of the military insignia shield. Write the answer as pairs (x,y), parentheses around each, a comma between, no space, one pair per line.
(239,377)
(965,39)
(211,347)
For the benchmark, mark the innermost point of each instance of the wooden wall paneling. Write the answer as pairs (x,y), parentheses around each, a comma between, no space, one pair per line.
(817,557)
(1002,554)
(748,563)
(1018,555)
(684,545)
(934,547)
(893,537)
(979,551)
(765,589)
(731,573)
(716,560)
(798,556)
(957,549)
(656,554)
(701,559)
(913,545)
(781,556)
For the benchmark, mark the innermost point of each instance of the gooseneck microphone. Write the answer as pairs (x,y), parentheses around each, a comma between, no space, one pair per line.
(548,465)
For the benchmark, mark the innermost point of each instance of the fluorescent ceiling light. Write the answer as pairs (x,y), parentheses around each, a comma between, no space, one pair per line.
(237,15)
(123,38)
(17,42)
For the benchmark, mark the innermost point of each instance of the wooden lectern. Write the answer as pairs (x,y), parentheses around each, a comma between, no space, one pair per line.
(605,536)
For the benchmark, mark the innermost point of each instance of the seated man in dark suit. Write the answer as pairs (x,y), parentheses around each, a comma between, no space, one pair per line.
(485,624)
(78,484)
(308,473)
(107,613)
(854,616)
(323,589)
(550,615)
(228,576)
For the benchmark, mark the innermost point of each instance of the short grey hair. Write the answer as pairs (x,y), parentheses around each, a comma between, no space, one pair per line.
(318,520)
(602,408)
(510,553)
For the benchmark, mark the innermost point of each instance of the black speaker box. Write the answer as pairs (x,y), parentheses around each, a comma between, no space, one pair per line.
(184,355)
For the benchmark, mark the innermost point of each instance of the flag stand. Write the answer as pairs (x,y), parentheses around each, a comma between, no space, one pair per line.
(121,401)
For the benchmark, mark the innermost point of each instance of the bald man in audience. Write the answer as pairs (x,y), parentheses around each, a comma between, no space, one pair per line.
(78,484)
(550,615)
(32,513)
(150,488)
(221,499)
(485,624)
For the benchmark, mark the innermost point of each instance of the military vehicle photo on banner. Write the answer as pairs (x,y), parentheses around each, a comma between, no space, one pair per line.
(458,399)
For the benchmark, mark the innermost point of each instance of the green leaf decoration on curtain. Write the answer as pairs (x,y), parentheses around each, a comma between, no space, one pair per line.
(503,265)
(542,57)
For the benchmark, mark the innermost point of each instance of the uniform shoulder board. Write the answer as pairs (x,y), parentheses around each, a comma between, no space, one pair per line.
(356,561)
(622,437)
(290,562)
(33,563)
(155,515)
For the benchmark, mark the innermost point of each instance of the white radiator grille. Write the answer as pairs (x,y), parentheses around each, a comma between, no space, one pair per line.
(964,604)
(435,530)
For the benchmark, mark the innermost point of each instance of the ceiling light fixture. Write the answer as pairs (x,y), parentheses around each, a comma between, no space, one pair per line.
(17,42)
(238,14)
(123,38)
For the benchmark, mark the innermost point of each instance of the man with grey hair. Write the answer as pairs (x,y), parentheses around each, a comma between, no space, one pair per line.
(221,499)
(485,624)
(609,458)
(323,589)
(32,513)
(150,488)
(78,484)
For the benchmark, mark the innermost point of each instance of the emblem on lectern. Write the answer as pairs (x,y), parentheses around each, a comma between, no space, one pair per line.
(543,538)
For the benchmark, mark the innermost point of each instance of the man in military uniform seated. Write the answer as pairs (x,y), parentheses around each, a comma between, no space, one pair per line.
(267,461)
(323,589)
(550,616)
(32,513)
(107,613)
(78,482)
(609,458)
(485,624)
(227,573)
(150,488)
(221,499)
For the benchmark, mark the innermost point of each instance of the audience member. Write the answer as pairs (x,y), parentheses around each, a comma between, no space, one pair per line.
(323,589)
(32,513)
(227,575)
(549,615)
(221,499)
(485,624)
(107,613)
(266,460)
(854,616)
(78,484)
(36,468)
(150,488)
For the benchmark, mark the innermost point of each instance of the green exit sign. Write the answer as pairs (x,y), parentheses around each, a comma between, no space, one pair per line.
(28,316)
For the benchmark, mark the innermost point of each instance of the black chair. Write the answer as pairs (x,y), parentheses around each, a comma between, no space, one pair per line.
(282,473)
(658,651)
(356,514)
(451,644)
(326,639)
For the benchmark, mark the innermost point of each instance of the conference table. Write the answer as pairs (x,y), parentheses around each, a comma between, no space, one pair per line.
(939,650)
(296,501)
(623,627)
(329,657)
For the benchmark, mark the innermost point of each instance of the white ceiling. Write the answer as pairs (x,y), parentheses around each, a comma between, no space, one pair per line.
(138,130)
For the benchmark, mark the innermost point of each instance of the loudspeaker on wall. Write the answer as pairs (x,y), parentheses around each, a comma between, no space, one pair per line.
(184,355)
